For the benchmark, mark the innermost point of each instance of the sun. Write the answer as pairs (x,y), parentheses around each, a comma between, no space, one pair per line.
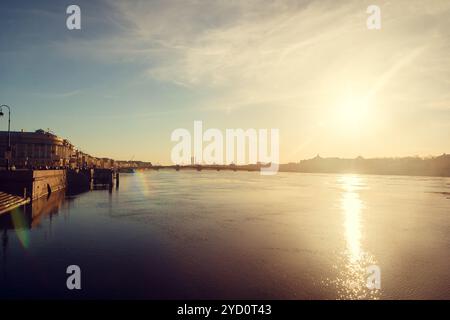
(352,111)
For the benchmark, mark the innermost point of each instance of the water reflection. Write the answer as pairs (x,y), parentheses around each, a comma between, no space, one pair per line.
(352,207)
(209,235)
(21,220)
(352,279)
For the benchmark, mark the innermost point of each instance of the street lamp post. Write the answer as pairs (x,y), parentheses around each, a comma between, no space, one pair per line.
(9,133)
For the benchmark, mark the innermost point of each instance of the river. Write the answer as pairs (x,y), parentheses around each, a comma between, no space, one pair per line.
(234,235)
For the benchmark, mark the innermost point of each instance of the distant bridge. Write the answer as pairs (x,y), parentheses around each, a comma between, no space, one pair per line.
(250,167)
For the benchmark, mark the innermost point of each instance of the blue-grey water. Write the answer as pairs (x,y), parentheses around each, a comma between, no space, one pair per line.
(239,235)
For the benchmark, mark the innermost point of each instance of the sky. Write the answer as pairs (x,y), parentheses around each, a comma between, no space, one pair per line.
(138,70)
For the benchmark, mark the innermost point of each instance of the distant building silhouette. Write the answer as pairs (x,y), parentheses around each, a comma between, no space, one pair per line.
(434,166)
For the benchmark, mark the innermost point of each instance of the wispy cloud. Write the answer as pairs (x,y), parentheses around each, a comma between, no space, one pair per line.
(58,95)
(288,53)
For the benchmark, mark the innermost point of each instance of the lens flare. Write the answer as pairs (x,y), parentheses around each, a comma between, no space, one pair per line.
(142,183)
(21,227)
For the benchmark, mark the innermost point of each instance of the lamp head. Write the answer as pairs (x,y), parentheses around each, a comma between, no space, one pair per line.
(1,113)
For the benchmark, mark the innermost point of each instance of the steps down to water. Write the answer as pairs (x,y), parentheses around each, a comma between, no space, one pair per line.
(9,202)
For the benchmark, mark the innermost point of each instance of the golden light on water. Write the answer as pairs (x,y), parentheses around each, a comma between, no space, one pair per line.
(352,274)
(352,207)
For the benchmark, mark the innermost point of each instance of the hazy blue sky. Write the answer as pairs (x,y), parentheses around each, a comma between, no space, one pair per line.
(140,69)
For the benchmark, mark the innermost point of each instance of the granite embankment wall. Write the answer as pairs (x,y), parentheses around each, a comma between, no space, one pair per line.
(32,184)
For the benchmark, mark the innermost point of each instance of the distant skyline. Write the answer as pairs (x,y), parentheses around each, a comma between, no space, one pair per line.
(137,70)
